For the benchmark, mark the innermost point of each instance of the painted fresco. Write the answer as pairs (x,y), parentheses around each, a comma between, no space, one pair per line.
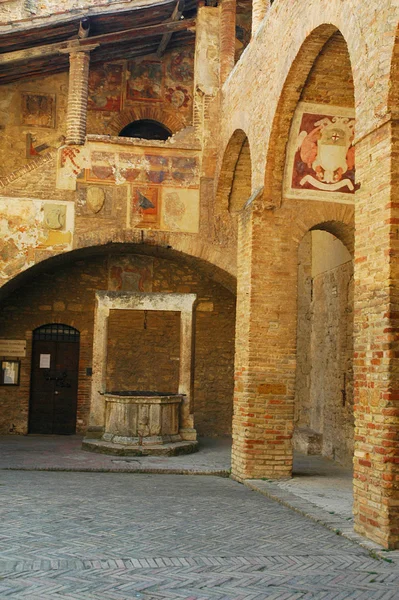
(162,184)
(180,210)
(146,206)
(181,65)
(38,110)
(321,157)
(145,167)
(30,228)
(105,87)
(179,97)
(166,84)
(145,80)
(130,273)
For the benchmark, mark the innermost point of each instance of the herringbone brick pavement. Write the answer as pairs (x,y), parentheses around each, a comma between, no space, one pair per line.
(89,536)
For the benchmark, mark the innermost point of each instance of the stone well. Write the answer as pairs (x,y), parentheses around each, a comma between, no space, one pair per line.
(141,422)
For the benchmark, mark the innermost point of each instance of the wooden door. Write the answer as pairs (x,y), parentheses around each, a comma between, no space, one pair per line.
(54,381)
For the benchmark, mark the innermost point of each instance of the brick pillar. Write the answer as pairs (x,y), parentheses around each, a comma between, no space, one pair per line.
(376,358)
(227,38)
(259,10)
(79,62)
(265,346)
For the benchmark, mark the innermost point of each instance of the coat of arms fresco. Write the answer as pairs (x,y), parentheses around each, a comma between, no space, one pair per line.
(321,156)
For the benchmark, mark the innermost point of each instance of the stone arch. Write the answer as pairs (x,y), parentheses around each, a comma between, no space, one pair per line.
(202,263)
(234,183)
(320,40)
(172,121)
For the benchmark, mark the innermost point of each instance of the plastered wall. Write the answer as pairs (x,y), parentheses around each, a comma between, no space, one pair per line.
(32,119)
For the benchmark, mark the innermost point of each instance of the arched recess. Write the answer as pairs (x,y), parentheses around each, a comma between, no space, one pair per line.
(324,401)
(233,188)
(173,121)
(146,129)
(234,183)
(62,290)
(314,77)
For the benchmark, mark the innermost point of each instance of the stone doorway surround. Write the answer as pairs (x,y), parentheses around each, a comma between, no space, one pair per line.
(107,301)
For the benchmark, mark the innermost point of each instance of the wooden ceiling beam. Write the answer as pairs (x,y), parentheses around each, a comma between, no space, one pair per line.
(176,15)
(127,35)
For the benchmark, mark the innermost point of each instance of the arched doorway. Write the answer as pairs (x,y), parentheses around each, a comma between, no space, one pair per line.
(324,419)
(54,379)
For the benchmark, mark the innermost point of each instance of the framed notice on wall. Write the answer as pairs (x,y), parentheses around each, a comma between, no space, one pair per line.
(9,373)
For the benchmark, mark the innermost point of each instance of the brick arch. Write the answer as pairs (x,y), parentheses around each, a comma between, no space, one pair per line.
(337,219)
(171,120)
(292,92)
(294,21)
(235,182)
(344,232)
(210,261)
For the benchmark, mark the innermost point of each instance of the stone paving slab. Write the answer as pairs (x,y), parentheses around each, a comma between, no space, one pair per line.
(320,489)
(97,536)
(65,453)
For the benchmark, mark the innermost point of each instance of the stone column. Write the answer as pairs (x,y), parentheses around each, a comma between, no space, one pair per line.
(259,10)
(265,345)
(98,383)
(79,61)
(227,38)
(187,430)
(376,344)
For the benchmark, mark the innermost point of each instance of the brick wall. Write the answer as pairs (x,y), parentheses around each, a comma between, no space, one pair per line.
(143,351)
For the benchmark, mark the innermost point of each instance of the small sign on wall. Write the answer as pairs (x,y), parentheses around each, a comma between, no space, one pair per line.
(13,348)
(45,360)
(9,372)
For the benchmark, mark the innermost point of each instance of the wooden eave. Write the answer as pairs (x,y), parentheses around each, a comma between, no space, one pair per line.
(27,52)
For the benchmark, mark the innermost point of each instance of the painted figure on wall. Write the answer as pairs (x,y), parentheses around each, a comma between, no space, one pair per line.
(178,96)
(325,157)
(130,274)
(146,206)
(181,66)
(38,110)
(105,87)
(145,80)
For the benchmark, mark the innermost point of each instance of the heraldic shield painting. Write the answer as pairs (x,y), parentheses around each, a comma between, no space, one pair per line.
(321,156)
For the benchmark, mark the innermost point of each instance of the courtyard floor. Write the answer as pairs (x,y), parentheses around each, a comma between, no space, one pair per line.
(120,536)
(78,526)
